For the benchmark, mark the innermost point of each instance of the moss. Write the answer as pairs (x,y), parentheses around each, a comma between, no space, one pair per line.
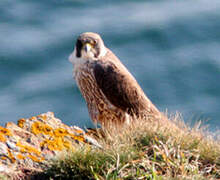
(144,151)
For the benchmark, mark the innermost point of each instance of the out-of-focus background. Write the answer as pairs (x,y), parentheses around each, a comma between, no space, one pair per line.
(171,47)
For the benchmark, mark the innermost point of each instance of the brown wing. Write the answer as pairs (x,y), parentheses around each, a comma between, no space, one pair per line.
(119,88)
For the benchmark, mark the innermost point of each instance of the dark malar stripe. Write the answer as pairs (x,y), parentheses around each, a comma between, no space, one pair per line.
(79,46)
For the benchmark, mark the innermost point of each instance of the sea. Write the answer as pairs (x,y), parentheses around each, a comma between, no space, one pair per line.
(171,47)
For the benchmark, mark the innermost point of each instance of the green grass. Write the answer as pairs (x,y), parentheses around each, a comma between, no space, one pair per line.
(145,150)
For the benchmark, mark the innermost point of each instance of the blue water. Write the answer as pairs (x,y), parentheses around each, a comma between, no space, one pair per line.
(171,47)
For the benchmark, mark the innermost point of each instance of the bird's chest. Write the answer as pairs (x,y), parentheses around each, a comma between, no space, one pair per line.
(98,105)
(87,84)
(85,80)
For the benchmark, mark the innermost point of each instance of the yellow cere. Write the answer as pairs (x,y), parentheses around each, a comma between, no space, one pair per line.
(21,123)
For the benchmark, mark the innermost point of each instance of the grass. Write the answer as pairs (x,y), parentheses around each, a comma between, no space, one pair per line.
(145,150)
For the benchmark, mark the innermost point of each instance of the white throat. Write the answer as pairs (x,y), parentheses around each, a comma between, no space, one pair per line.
(85,57)
(79,62)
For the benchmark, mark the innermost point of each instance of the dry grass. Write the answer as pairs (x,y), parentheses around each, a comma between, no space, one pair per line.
(145,150)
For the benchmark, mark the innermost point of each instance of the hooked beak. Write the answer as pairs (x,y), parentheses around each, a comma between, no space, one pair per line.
(87,47)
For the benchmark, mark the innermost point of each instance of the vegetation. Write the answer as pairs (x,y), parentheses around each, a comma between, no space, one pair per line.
(144,150)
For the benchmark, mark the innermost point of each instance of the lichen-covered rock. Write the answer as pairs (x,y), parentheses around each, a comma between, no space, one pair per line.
(33,141)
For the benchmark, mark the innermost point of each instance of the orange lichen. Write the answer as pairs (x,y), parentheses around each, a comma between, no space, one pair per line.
(48,130)
(21,123)
(37,127)
(56,144)
(34,158)
(78,131)
(60,132)
(11,157)
(42,117)
(2,137)
(33,118)
(3,158)
(5,131)
(28,149)
(41,128)
(67,144)
(20,156)
(78,138)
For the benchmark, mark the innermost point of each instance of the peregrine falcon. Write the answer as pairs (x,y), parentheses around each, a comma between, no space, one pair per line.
(111,92)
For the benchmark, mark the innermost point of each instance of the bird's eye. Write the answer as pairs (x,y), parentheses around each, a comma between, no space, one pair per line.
(95,41)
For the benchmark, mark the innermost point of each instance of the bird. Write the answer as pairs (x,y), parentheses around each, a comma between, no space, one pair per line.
(112,94)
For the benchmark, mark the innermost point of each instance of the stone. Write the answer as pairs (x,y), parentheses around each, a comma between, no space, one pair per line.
(33,141)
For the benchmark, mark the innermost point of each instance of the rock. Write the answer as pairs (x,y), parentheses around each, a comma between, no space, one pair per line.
(35,140)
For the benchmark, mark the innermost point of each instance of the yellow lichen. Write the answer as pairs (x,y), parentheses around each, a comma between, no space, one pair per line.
(33,118)
(48,130)
(56,144)
(37,127)
(34,158)
(60,132)
(67,144)
(78,131)
(11,157)
(28,149)
(5,131)
(21,123)
(3,158)
(42,117)
(2,137)
(41,128)
(20,156)
(78,138)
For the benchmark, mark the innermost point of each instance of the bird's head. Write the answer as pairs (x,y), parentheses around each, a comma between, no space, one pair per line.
(89,46)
